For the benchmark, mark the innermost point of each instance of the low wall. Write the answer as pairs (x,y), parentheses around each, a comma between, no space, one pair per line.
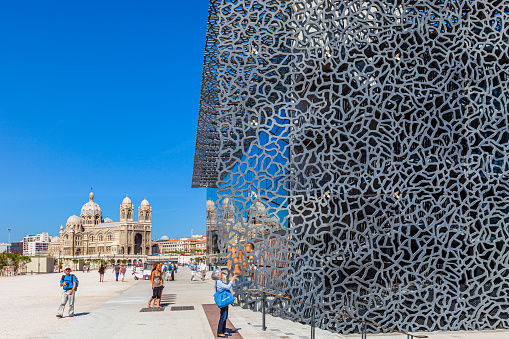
(40,265)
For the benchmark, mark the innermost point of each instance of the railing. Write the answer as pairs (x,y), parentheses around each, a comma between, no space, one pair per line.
(364,326)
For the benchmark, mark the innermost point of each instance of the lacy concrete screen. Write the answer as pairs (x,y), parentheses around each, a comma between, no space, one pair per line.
(362,158)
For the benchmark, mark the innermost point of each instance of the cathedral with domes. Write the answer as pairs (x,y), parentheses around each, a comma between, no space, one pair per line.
(90,235)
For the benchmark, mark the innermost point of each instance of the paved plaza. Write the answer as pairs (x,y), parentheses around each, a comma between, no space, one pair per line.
(112,310)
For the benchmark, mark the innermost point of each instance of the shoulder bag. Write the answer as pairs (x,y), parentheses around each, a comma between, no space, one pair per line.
(223,297)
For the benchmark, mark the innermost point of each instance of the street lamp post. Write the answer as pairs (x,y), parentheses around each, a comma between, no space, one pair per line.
(9,229)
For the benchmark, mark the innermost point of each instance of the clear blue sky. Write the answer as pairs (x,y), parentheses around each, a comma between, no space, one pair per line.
(100,94)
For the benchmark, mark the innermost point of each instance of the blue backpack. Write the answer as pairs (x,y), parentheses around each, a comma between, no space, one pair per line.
(223,298)
(73,279)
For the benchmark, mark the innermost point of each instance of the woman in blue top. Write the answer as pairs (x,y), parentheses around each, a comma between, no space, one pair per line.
(217,275)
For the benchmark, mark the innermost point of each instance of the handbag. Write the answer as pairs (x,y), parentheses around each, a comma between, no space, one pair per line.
(223,297)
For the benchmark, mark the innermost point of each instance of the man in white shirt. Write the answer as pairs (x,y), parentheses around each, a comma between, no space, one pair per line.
(203,269)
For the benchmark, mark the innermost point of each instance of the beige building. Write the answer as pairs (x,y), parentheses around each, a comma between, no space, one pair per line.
(91,235)
(201,245)
(54,247)
(183,245)
(212,233)
(167,245)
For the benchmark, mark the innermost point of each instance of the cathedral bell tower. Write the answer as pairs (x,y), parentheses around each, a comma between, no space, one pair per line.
(126,210)
(144,212)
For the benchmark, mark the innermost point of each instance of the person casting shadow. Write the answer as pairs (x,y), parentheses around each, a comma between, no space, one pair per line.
(217,275)
(157,285)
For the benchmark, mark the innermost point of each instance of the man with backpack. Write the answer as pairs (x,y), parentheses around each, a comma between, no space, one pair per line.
(69,282)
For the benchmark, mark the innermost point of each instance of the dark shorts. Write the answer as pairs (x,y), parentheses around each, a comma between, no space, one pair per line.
(157,291)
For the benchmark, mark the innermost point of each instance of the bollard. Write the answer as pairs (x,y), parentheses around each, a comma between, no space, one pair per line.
(263,312)
(313,324)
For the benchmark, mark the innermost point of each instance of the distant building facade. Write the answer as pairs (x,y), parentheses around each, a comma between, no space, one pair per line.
(54,247)
(36,244)
(17,248)
(212,247)
(165,245)
(37,248)
(201,245)
(91,235)
(4,247)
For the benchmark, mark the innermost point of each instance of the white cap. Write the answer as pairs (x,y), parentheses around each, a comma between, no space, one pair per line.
(67,267)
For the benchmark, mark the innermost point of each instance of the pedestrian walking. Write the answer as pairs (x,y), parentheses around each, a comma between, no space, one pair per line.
(203,269)
(88,269)
(169,271)
(69,283)
(194,269)
(157,285)
(219,285)
(101,273)
(122,272)
(116,269)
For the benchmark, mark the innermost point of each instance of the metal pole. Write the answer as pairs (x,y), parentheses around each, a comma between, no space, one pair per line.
(264,328)
(313,324)
(364,334)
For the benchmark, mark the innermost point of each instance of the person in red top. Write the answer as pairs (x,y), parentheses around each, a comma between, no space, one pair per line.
(122,272)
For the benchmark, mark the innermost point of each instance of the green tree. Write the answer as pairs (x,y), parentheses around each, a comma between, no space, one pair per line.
(3,260)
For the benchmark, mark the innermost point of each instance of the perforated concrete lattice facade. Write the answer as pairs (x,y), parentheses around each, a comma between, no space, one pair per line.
(360,154)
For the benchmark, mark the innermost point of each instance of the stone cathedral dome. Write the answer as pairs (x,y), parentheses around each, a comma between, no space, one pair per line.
(73,220)
(91,208)
(127,202)
(145,205)
(210,205)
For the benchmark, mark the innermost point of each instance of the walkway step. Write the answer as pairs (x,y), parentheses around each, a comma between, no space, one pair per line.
(212,312)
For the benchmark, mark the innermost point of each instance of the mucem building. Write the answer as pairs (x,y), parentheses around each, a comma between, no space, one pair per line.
(358,151)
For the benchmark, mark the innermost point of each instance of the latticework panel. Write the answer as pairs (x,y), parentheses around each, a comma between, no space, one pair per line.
(362,158)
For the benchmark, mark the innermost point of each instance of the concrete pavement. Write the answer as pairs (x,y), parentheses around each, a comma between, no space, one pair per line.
(112,310)
(121,318)
(29,303)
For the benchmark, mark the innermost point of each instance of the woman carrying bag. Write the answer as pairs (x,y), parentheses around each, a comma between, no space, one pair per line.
(223,297)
